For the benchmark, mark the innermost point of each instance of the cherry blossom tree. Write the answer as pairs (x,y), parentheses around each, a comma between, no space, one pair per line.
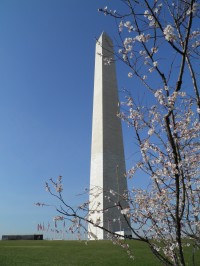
(159,42)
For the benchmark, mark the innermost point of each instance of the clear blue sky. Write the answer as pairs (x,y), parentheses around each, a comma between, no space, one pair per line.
(46,87)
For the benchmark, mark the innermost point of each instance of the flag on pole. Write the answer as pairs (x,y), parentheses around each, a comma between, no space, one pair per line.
(48,227)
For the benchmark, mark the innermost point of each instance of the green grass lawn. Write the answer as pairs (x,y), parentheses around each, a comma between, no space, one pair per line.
(72,253)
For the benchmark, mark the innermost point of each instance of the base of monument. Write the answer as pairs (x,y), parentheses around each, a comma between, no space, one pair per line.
(124,234)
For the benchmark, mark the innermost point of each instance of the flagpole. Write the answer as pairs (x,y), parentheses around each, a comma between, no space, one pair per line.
(63,230)
(54,230)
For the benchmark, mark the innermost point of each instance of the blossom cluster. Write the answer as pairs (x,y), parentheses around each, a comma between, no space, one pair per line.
(58,218)
(57,185)
(169,33)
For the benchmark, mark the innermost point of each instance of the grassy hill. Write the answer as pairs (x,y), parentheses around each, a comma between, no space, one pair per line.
(75,253)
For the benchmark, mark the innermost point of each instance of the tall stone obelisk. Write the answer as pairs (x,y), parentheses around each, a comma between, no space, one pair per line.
(107,180)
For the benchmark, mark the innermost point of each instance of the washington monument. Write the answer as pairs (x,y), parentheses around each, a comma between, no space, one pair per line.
(107,180)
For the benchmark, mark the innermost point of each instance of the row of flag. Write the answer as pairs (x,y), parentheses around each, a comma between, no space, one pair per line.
(43,228)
